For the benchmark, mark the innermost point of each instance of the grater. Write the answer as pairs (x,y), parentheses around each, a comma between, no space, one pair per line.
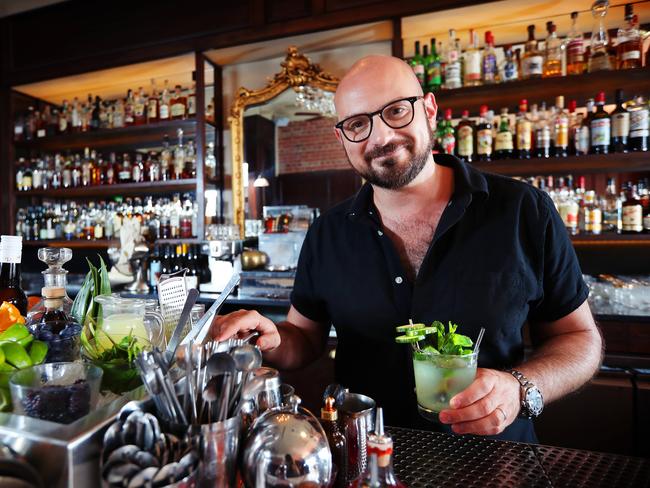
(172,293)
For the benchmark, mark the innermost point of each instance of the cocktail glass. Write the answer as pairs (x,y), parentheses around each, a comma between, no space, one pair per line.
(438,377)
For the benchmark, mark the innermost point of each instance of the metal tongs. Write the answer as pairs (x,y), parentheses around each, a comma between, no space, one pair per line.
(201,329)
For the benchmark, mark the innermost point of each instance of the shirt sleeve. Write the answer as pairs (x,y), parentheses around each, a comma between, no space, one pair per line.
(564,289)
(306,297)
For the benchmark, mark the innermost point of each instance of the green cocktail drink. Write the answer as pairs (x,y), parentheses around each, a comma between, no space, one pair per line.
(438,377)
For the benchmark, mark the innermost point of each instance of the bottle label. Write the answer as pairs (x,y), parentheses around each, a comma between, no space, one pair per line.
(569,213)
(484,141)
(465,141)
(646,222)
(562,133)
(543,137)
(452,75)
(593,220)
(164,111)
(582,140)
(138,109)
(631,55)
(191,105)
(152,108)
(11,249)
(620,124)
(473,66)
(639,123)
(510,71)
(533,65)
(137,174)
(633,217)
(448,143)
(178,110)
(418,69)
(124,175)
(600,132)
(99,232)
(503,141)
(490,67)
(524,134)
(452,56)
(576,51)
(434,75)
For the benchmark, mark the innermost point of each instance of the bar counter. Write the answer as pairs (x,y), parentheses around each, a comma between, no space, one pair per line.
(429,459)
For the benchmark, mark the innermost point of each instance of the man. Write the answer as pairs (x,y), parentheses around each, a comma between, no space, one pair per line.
(430,238)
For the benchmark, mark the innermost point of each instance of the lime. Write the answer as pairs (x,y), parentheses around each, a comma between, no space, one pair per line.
(38,351)
(26,341)
(16,355)
(2,356)
(15,333)
(428,330)
(409,339)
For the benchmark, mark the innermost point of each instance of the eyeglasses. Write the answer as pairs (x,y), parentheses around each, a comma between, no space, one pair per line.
(396,115)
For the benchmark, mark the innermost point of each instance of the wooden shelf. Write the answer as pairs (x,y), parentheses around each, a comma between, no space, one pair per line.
(123,189)
(578,88)
(75,244)
(124,138)
(611,240)
(590,163)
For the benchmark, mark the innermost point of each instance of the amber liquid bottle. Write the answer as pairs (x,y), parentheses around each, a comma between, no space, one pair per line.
(336,439)
(10,257)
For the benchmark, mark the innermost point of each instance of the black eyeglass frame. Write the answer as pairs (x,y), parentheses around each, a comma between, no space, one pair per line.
(371,116)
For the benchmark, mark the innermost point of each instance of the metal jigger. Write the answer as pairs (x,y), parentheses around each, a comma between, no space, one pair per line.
(138,263)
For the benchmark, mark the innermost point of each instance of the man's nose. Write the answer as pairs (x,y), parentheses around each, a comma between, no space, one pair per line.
(381,133)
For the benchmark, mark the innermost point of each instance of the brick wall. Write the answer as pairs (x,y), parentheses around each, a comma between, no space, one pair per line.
(310,145)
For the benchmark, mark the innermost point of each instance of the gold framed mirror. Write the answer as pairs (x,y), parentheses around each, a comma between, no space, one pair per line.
(297,71)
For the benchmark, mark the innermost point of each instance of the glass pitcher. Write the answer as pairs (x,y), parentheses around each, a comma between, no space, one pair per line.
(124,316)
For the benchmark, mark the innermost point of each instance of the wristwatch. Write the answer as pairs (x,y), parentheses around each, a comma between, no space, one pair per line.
(532,402)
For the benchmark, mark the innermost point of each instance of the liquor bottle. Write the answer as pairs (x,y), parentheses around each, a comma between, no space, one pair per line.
(179,156)
(191,100)
(472,64)
(600,127)
(124,175)
(137,169)
(64,115)
(178,104)
(425,60)
(210,162)
(620,125)
(591,216)
(336,440)
(139,108)
(465,133)
(381,446)
(644,198)
(166,163)
(575,122)
(628,42)
(484,136)
(639,124)
(118,114)
(503,146)
(575,49)
(94,118)
(612,208)
(152,104)
(524,129)
(86,168)
(76,172)
(163,105)
(417,64)
(632,211)
(542,133)
(11,248)
(490,69)
(27,179)
(75,115)
(129,108)
(433,69)
(532,64)
(599,57)
(583,139)
(452,63)
(448,136)
(552,52)
(561,129)
(510,70)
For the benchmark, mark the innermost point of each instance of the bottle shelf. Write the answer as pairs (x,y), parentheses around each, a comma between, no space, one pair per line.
(611,240)
(576,87)
(124,138)
(121,189)
(589,163)
(101,243)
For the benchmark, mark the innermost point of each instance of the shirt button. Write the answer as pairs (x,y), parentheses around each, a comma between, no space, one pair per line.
(380,233)
(370,212)
(399,280)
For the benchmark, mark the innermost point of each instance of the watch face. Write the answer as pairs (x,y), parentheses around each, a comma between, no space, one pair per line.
(534,401)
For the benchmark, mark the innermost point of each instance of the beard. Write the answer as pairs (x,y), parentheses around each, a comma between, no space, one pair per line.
(389,172)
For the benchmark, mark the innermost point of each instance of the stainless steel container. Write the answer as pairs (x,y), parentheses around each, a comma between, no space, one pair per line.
(219,448)
(356,418)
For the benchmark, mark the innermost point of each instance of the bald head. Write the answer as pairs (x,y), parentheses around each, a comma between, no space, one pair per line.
(372,82)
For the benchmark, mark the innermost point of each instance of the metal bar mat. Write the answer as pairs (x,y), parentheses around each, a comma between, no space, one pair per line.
(431,459)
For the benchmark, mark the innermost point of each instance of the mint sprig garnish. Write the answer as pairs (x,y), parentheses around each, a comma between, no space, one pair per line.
(434,339)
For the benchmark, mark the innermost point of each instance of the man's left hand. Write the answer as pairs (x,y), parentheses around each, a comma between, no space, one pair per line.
(486,407)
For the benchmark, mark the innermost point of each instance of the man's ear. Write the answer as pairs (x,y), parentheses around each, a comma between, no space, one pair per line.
(430,109)
(337,133)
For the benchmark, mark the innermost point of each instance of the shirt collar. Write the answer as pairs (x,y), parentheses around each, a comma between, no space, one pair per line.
(467,181)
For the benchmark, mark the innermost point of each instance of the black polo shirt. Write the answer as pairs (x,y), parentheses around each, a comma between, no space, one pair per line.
(500,256)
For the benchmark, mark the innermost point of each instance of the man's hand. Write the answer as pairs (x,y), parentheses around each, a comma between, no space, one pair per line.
(486,407)
(243,321)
